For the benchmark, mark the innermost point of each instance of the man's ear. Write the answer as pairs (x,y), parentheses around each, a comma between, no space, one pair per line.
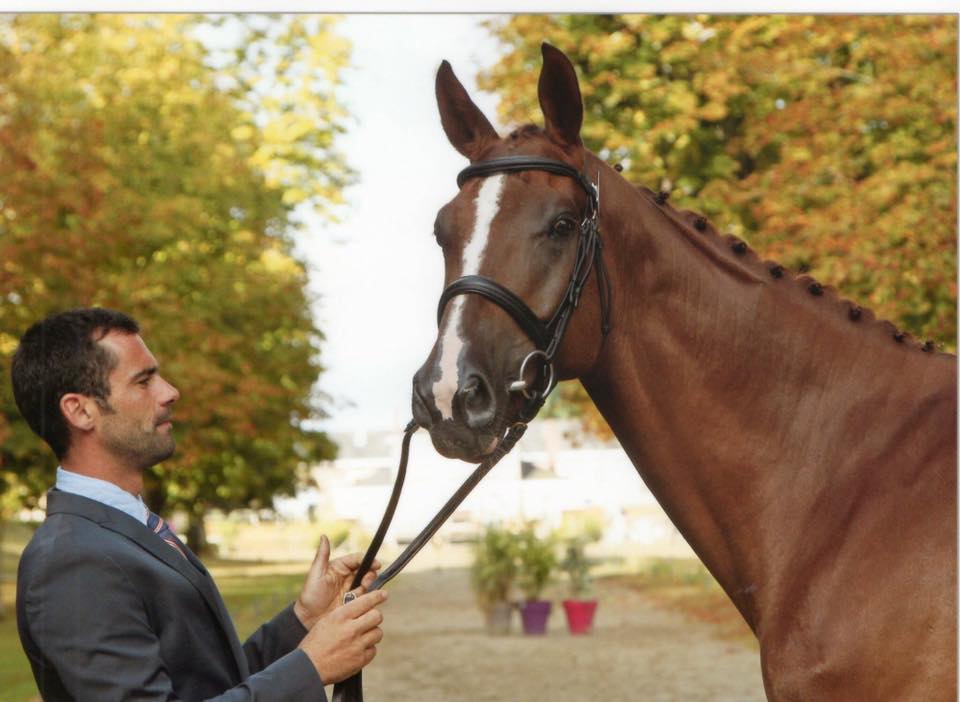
(79,410)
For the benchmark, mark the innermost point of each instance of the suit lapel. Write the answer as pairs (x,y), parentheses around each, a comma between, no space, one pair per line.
(191,568)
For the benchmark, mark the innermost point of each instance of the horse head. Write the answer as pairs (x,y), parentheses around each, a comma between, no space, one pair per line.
(519,243)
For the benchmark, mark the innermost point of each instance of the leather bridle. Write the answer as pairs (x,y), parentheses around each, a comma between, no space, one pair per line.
(546,337)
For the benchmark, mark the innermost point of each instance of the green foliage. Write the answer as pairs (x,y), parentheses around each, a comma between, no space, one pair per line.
(536,559)
(338,537)
(827,142)
(576,564)
(145,172)
(494,566)
(675,571)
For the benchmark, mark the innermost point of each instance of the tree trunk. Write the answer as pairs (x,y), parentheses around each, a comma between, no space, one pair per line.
(197,533)
(154,493)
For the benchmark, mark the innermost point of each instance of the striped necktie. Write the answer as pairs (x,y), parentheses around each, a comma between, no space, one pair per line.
(160,527)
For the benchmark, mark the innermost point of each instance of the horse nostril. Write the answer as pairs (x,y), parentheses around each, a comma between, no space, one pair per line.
(477,402)
(473,388)
(421,410)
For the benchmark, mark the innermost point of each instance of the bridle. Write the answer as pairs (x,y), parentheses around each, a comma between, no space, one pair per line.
(546,336)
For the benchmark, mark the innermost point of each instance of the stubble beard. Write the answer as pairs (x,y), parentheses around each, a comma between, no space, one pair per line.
(138,448)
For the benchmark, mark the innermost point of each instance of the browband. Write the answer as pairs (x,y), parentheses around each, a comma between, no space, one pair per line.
(515,164)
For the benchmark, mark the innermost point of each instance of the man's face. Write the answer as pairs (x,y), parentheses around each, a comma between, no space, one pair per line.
(136,425)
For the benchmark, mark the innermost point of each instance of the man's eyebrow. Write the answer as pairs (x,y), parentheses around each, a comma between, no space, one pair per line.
(145,373)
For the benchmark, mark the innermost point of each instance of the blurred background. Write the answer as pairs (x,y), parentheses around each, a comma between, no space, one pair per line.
(259,192)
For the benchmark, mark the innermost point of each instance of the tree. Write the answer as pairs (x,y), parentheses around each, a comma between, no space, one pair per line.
(154,172)
(826,142)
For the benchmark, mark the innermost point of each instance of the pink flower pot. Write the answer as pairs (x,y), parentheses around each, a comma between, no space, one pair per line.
(580,615)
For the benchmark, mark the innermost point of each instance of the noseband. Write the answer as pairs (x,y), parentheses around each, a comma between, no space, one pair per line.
(546,336)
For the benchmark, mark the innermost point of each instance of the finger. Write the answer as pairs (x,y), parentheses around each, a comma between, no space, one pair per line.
(363,603)
(369,654)
(353,560)
(372,637)
(368,580)
(368,620)
(322,559)
(354,593)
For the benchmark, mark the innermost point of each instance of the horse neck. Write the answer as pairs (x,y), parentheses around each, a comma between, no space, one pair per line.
(735,392)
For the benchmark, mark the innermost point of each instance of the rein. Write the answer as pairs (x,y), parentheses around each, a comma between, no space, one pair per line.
(546,337)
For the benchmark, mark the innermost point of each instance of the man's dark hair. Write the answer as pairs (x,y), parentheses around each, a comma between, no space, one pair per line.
(59,355)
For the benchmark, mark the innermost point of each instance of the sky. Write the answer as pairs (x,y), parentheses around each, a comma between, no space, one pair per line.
(378,272)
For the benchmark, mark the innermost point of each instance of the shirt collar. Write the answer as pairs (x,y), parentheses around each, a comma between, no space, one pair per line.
(104,492)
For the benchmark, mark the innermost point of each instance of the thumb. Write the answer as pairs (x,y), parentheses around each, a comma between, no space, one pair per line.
(322,559)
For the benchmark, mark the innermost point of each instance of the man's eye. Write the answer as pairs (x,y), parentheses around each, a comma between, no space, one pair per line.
(563,227)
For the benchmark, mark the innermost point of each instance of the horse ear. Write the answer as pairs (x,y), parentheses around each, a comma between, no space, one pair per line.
(463,122)
(560,99)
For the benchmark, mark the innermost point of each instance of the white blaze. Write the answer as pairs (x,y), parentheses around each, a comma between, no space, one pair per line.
(451,341)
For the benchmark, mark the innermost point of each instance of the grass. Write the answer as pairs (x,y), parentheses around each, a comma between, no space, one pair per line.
(16,680)
(684,585)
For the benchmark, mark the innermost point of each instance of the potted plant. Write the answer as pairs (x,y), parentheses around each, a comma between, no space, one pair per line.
(492,574)
(579,609)
(537,558)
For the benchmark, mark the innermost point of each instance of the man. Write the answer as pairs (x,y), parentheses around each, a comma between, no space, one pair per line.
(110,604)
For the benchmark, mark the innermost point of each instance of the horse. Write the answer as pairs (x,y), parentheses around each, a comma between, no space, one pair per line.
(804,448)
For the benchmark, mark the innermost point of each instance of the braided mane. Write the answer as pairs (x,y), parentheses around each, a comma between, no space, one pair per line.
(699,227)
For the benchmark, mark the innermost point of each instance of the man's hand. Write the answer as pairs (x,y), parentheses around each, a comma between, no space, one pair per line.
(345,640)
(327,582)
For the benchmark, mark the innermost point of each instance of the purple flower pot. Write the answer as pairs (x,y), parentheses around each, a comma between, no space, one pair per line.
(535,614)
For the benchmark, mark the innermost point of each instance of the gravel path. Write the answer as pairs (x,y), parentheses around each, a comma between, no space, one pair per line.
(435,649)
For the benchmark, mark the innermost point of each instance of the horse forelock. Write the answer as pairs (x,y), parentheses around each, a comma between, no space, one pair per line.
(526,131)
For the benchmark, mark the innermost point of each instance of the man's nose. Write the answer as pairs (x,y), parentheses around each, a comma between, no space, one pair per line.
(172,393)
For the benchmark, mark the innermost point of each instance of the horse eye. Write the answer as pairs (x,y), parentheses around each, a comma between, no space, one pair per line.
(563,227)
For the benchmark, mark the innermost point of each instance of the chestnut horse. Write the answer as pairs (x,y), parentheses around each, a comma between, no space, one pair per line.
(805,450)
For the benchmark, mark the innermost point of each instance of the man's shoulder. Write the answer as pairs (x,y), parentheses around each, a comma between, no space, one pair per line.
(67,538)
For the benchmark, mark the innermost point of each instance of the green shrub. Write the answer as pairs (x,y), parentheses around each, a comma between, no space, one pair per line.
(494,566)
(537,559)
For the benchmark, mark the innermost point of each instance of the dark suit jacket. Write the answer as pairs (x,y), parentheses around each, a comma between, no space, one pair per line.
(108,611)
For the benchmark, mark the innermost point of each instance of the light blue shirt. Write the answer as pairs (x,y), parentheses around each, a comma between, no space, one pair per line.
(102,491)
